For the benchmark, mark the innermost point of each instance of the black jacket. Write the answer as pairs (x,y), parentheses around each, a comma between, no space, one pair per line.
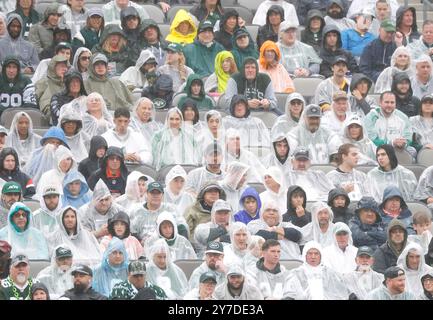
(27,186)
(90,294)
(340,214)
(328,56)
(131,35)
(309,37)
(408,103)
(414,35)
(290,215)
(376,57)
(163,83)
(223,36)
(322,5)
(92,163)
(360,104)
(116,185)
(266,32)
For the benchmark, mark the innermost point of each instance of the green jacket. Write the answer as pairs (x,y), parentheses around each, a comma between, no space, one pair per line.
(200,58)
(86,38)
(203,102)
(126,291)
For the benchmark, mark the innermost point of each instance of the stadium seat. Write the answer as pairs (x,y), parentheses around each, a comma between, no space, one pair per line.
(323,167)
(143,168)
(32,204)
(160,115)
(417,169)
(418,206)
(165,30)
(253,30)
(177,98)
(281,100)
(252,5)
(291,263)
(188,266)
(40,131)
(154,12)
(307,87)
(425,157)
(37,265)
(164,171)
(260,187)
(376,97)
(174,9)
(221,102)
(267,117)
(225,3)
(38,118)
(403,157)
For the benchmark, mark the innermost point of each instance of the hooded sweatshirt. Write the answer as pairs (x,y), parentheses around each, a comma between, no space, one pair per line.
(261,13)
(366,103)
(83,197)
(131,35)
(163,84)
(406,103)
(203,101)
(309,37)
(133,77)
(112,13)
(328,55)
(290,215)
(266,32)
(92,163)
(177,37)
(414,34)
(222,36)
(341,214)
(33,18)
(342,21)
(386,255)
(242,215)
(20,48)
(158,48)
(77,55)
(41,34)
(115,93)
(241,54)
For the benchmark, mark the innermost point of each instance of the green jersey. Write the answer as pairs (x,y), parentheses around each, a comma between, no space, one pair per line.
(9,291)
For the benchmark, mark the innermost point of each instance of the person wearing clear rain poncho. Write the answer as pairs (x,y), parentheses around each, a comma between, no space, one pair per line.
(96,118)
(20,233)
(57,276)
(135,190)
(320,141)
(174,191)
(424,190)
(42,158)
(81,62)
(294,107)
(180,247)
(143,118)
(69,232)
(22,138)
(321,227)
(65,162)
(340,256)
(412,261)
(212,130)
(113,268)
(45,218)
(271,226)
(313,280)
(276,189)
(234,183)
(427,283)
(422,124)
(280,154)
(76,192)
(240,238)
(389,172)
(162,272)
(138,76)
(172,144)
(94,215)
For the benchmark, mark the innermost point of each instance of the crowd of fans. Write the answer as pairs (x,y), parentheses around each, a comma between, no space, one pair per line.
(112,230)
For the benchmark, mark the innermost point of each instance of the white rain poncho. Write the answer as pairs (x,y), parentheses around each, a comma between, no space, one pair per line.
(361,282)
(133,77)
(321,144)
(180,247)
(172,146)
(171,279)
(182,200)
(198,177)
(92,125)
(358,6)
(330,120)
(132,195)
(93,220)
(31,241)
(105,275)
(423,128)
(80,50)
(279,197)
(367,149)
(230,183)
(314,283)
(55,279)
(314,182)
(45,219)
(254,253)
(384,82)
(80,141)
(286,122)
(424,189)
(356,177)
(233,252)
(382,293)
(25,147)
(56,175)
(312,230)
(206,137)
(147,129)
(289,249)
(244,156)
(337,259)
(413,277)
(249,290)
(400,177)
(420,89)
(272,160)
(83,244)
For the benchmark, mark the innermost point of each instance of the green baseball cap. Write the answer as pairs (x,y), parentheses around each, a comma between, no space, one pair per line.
(388,26)
(174,47)
(11,187)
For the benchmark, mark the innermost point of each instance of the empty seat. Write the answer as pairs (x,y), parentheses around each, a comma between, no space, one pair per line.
(165,30)
(174,9)
(164,171)
(253,30)
(244,13)
(267,117)
(418,206)
(323,167)
(155,12)
(38,118)
(37,265)
(177,98)
(417,169)
(307,86)
(250,4)
(188,266)
(291,263)
(143,168)
(281,100)
(425,157)
(225,3)
(403,157)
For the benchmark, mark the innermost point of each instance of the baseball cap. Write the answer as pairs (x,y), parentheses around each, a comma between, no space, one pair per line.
(19,258)
(3,130)
(155,186)
(364,250)
(62,252)
(175,47)
(301,153)
(286,25)
(63,45)
(49,190)
(205,25)
(137,267)
(339,59)
(240,32)
(236,269)
(11,187)
(313,110)
(83,269)
(207,276)
(388,25)
(95,12)
(221,205)
(393,272)
(214,247)
(339,95)
(427,97)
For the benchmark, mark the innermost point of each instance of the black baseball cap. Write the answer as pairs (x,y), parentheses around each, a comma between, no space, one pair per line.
(83,269)
(208,276)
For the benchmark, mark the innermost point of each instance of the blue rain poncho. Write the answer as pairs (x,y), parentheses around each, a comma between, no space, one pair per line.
(85,195)
(105,275)
(31,241)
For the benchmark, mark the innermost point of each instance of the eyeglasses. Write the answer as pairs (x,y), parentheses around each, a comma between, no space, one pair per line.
(20,215)
(84,58)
